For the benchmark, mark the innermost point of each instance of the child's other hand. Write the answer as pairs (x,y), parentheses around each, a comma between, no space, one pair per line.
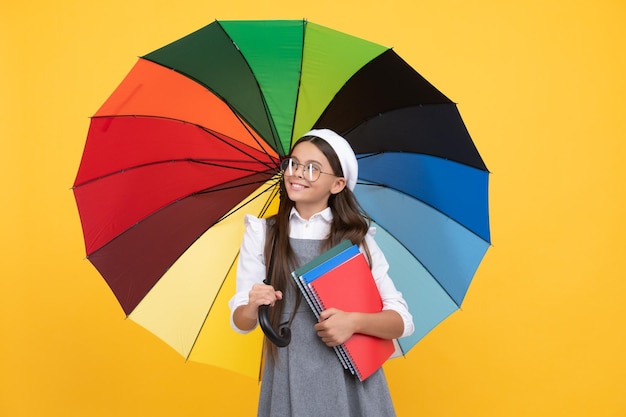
(335,326)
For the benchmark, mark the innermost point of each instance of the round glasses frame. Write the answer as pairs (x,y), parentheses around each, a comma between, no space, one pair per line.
(309,171)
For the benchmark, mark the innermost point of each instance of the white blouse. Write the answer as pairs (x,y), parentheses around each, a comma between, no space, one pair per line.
(251,267)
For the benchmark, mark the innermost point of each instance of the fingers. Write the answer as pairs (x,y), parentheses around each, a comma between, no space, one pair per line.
(326,314)
(262,294)
(328,336)
(334,327)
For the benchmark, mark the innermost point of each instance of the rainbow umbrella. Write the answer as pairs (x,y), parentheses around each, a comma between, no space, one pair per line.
(192,139)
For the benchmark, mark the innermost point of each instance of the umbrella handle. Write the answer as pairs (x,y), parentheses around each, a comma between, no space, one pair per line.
(280,338)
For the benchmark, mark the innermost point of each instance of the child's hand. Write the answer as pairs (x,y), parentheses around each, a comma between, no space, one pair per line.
(262,294)
(245,316)
(335,326)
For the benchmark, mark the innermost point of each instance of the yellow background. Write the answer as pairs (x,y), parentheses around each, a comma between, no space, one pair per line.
(541,87)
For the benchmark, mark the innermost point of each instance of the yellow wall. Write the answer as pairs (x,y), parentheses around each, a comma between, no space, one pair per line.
(541,87)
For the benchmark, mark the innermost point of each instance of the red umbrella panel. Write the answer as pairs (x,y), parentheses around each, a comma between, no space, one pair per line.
(144,171)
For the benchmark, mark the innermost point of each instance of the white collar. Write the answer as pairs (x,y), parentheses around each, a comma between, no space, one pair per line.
(326,215)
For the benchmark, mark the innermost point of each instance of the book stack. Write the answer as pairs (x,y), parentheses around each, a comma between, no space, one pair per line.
(341,278)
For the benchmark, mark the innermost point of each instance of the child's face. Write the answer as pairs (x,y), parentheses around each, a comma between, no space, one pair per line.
(311,197)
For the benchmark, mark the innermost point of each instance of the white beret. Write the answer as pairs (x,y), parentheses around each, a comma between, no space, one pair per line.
(342,148)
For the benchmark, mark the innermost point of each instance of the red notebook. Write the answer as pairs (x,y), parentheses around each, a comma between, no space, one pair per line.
(350,286)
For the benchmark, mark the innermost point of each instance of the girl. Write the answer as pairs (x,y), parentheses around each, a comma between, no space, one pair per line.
(317,211)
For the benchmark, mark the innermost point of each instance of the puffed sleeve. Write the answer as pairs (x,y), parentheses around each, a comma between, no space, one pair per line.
(391,297)
(251,264)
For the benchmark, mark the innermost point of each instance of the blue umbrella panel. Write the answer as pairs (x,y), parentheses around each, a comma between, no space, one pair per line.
(432,226)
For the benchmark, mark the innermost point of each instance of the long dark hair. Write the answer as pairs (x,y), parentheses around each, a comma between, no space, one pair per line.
(349,223)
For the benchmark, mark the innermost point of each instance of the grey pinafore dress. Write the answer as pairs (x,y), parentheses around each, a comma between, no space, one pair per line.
(307,378)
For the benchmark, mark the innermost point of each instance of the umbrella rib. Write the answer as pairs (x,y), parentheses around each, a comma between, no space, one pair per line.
(293,122)
(213,91)
(230,213)
(369,183)
(230,187)
(421,263)
(375,184)
(372,183)
(211,132)
(208,190)
(275,139)
(261,214)
(269,200)
(279,148)
(206,317)
(223,164)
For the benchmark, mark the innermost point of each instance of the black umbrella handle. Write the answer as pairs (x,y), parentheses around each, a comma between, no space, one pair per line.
(280,338)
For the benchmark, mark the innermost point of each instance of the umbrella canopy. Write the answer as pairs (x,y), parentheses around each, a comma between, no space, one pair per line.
(192,139)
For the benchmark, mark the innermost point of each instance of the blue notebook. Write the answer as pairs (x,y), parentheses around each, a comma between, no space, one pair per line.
(319,270)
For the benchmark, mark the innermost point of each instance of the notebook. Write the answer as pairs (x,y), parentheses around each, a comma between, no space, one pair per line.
(341,278)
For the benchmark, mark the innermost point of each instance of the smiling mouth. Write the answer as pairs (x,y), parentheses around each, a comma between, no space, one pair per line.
(296,186)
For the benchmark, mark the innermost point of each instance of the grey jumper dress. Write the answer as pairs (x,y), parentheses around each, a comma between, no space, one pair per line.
(308,379)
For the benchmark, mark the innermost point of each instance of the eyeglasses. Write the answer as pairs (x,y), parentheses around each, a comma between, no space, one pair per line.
(310,172)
